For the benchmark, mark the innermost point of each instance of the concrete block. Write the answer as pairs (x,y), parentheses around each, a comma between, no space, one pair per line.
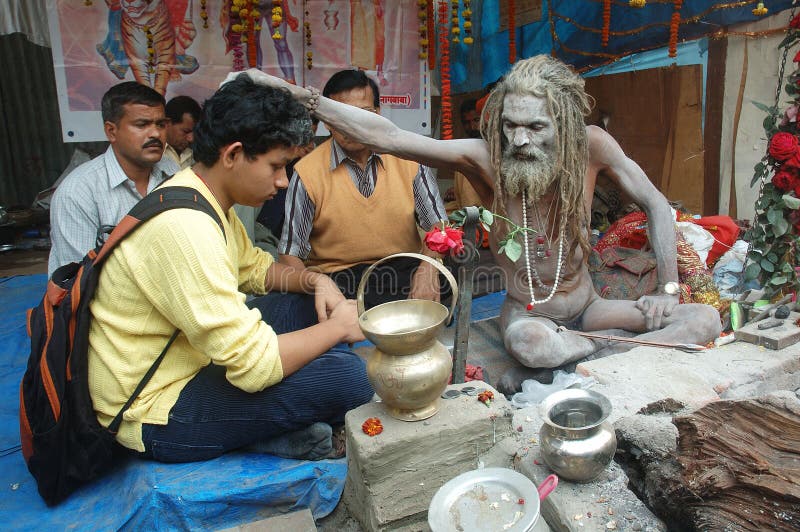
(644,375)
(393,476)
(601,505)
(776,338)
(300,521)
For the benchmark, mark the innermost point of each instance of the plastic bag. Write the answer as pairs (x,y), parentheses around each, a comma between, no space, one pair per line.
(534,392)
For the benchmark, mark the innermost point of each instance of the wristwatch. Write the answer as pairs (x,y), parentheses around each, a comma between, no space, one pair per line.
(672,288)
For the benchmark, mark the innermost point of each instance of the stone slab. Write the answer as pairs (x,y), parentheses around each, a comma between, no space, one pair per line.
(393,476)
(775,338)
(300,521)
(601,505)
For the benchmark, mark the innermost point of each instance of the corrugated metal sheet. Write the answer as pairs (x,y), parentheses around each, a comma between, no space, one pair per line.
(32,153)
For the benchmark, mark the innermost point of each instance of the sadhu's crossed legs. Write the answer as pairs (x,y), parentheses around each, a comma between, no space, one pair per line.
(536,343)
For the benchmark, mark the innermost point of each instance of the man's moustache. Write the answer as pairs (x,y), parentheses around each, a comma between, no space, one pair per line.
(157,143)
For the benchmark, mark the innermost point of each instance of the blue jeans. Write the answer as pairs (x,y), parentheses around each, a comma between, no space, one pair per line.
(211,416)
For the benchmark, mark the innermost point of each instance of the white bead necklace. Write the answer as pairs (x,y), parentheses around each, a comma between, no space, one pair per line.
(528,259)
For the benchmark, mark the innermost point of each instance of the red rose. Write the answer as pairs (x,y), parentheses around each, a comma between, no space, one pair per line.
(783,180)
(795,22)
(792,164)
(444,240)
(782,146)
(796,58)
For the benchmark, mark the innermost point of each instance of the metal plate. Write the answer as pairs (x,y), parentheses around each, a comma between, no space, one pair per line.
(485,500)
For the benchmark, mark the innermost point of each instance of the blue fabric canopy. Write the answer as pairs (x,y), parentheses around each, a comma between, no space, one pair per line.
(572,31)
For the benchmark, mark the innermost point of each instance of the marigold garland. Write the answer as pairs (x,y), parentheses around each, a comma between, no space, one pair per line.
(467,14)
(455,29)
(372,426)
(204,14)
(760,10)
(673,28)
(444,72)
(512,32)
(423,28)
(307,28)
(606,22)
(277,18)
(151,51)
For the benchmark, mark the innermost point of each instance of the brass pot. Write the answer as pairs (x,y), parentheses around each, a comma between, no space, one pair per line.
(408,367)
(576,440)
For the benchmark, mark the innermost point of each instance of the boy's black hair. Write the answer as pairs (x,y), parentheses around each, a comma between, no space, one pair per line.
(261,118)
(181,105)
(346,80)
(111,106)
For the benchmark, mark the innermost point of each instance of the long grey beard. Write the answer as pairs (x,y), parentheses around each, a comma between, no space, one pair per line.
(533,175)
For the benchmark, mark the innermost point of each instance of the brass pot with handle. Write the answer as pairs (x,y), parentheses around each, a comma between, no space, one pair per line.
(408,367)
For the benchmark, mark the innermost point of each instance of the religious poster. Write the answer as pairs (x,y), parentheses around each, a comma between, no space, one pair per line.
(187,47)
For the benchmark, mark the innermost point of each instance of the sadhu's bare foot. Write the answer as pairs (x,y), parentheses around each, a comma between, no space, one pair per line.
(511,382)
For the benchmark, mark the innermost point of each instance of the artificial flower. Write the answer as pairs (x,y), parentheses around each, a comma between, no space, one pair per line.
(445,240)
(795,22)
(486,397)
(782,146)
(372,426)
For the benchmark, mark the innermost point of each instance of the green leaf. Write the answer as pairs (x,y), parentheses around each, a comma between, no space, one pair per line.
(513,250)
(458,216)
(767,266)
(780,227)
(764,107)
(773,215)
(787,268)
(773,258)
(778,280)
(790,201)
(487,217)
(752,271)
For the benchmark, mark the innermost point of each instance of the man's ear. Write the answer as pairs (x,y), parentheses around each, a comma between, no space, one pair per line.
(229,153)
(110,129)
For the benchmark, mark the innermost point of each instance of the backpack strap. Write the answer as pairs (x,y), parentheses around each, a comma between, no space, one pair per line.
(158,201)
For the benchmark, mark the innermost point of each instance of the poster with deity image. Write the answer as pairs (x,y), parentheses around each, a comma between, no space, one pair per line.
(187,47)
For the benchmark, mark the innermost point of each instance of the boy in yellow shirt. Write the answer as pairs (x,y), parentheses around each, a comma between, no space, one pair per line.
(272,372)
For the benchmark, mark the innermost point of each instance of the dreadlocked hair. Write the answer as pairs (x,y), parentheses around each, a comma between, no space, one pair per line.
(545,77)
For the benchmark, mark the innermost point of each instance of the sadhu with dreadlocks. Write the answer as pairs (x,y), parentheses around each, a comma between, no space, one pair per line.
(538,162)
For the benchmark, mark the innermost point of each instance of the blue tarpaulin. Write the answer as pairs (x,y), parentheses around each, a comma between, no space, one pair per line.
(234,489)
(572,30)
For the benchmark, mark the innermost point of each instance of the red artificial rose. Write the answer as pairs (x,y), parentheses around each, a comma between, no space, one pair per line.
(444,240)
(782,146)
(783,180)
(792,164)
(795,22)
(796,58)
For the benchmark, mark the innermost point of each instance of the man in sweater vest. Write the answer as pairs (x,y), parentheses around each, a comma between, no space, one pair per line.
(348,207)
(538,163)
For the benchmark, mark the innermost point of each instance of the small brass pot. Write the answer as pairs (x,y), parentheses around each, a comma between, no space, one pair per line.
(408,367)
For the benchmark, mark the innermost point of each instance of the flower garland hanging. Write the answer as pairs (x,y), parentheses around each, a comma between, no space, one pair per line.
(454,28)
(673,28)
(444,72)
(423,28)
(512,32)
(606,23)
(204,14)
(307,28)
(760,10)
(236,37)
(151,50)
(774,253)
(277,18)
(467,14)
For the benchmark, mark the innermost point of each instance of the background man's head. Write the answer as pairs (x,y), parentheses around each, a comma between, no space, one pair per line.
(355,88)
(470,118)
(134,123)
(183,113)
(255,129)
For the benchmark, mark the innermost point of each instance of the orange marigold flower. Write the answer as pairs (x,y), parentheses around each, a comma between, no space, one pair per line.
(486,397)
(372,426)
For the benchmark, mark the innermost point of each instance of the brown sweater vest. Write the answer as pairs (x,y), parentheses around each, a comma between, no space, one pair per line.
(349,229)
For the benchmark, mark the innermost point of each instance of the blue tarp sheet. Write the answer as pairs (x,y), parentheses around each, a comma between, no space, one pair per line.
(140,495)
(572,31)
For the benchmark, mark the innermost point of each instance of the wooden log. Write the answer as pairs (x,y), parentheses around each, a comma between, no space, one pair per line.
(740,461)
